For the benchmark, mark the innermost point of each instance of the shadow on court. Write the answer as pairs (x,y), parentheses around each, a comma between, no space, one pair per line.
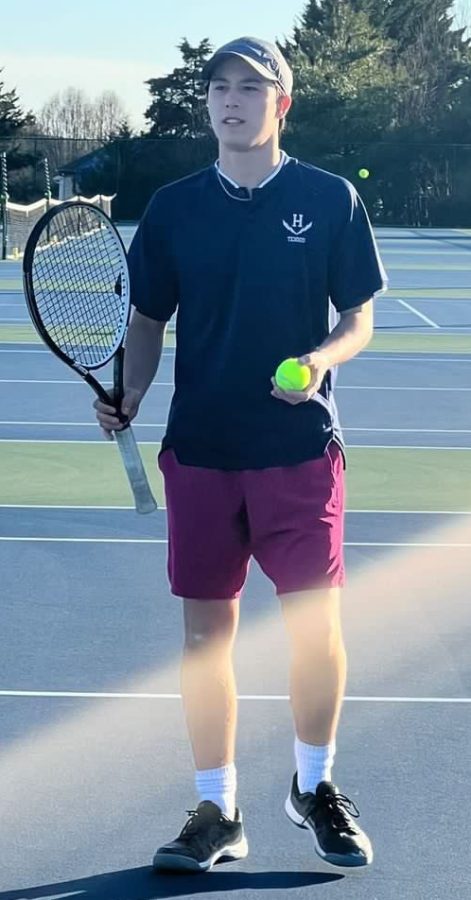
(144,884)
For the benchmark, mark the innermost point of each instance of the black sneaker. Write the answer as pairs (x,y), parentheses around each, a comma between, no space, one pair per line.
(328,815)
(208,836)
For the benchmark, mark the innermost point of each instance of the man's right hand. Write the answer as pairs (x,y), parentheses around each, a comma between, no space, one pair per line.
(106,413)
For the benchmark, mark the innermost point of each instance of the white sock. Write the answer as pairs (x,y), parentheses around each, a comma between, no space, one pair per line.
(218,785)
(314,764)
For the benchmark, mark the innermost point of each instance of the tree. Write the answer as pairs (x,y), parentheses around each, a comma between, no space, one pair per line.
(12,119)
(15,127)
(110,116)
(378,82)
(344,88)
(73,115)
(177,108)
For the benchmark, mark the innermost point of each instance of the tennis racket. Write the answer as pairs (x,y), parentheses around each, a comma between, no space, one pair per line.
(77,290)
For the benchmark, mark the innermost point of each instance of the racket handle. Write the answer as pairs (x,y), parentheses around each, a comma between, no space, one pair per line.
(143,497)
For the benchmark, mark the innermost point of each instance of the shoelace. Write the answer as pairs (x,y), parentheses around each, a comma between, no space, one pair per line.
(341,808)
(191,827)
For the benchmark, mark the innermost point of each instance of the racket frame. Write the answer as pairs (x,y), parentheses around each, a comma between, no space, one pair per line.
(144,500)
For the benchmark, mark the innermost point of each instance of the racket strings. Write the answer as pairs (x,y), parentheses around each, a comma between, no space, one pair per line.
(80,286)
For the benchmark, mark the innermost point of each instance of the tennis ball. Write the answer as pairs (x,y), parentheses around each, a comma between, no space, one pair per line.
(291,376)
(364,173)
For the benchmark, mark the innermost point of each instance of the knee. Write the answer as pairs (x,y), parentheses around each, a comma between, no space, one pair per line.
(314,623)
(209,628)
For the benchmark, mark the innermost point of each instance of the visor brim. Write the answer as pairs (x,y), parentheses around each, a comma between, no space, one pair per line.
(210,66)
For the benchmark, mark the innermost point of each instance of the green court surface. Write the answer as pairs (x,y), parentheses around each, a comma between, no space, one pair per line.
(11,284)
(392,342)
(427,293)
(26,334)
(79,474)
(70,474)
(430,342)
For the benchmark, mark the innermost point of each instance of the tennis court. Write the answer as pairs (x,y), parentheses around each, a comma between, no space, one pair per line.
(94,760)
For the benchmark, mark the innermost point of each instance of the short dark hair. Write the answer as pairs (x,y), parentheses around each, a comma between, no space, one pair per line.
(282,122)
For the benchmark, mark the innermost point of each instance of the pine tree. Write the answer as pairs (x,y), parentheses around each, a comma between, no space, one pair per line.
(177,108)
(12,118)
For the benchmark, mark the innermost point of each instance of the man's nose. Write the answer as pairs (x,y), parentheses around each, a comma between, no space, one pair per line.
(231,99)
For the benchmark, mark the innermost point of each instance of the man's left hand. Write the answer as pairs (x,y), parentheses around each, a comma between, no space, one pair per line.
(319,365)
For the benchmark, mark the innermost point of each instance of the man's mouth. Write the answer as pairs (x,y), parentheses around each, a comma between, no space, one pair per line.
(232,120)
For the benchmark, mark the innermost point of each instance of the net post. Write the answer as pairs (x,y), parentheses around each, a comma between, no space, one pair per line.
(4,202)
(47,182)
(47,191)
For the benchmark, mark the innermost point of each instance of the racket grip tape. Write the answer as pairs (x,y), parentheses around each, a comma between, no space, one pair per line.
(143,497)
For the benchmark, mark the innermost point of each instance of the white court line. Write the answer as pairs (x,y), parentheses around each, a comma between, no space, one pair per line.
(388,447)
(77,540)
(399,388)
(380,313)
(109,695)
(103,442)
(339,387)
(429,357)
(37,349)
(409,430)
(381,447)
(388,512)
(460,329)
(364,356)
(93,424)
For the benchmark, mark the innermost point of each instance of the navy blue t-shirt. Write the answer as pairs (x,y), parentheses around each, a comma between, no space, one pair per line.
(253,277)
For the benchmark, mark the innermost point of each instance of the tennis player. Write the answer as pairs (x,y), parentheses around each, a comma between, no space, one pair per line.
(263,257)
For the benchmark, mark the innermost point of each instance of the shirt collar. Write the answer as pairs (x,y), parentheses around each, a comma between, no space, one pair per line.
(284,159)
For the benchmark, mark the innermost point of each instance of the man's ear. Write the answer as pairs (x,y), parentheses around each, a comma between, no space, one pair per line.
(283,105)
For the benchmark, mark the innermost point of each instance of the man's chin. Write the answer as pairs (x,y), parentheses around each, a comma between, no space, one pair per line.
(238,143)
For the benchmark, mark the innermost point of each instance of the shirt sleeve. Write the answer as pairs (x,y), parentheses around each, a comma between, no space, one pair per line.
(152,275)
(356,272)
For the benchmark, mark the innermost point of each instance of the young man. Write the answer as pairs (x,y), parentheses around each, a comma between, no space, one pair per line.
(250,250)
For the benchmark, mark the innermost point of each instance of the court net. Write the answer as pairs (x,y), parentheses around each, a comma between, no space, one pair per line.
(19,219)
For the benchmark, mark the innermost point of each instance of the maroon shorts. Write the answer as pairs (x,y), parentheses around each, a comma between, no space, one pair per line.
(290,519)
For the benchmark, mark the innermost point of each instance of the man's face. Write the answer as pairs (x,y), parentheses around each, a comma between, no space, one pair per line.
(238,93)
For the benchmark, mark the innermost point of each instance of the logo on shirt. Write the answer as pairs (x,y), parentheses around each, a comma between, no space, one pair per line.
(297,229)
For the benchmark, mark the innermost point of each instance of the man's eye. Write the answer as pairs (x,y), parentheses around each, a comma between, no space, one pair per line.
(250,87)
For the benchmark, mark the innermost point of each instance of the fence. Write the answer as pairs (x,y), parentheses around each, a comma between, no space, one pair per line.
(409,184)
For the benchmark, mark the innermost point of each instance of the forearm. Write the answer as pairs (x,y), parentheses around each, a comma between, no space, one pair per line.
(143,352)
(351,334)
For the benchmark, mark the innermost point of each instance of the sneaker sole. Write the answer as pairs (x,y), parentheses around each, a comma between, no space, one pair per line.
(172,862)
(347,864)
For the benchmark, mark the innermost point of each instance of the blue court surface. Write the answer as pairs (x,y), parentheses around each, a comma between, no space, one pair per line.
(95,767)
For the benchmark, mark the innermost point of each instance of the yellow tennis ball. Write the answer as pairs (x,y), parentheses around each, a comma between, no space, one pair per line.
(291,376)
(364,173)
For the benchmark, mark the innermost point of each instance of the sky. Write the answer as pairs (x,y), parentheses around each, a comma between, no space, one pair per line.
(102,45)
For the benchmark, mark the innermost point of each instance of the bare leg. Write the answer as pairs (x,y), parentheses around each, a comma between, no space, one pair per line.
(208,681)
(318,663)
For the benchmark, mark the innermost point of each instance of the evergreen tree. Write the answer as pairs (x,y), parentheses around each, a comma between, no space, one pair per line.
(12,119)
(177,108)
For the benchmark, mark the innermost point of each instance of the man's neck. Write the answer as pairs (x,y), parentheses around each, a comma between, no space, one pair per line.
(251,167)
